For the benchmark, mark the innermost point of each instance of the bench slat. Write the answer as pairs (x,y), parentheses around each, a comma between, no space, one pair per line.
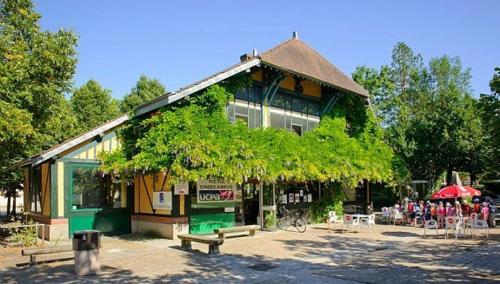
(236,229)
(201,239)
(48,250)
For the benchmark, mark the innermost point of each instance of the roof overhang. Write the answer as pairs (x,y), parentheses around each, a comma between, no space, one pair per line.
(44,156)
(198,86)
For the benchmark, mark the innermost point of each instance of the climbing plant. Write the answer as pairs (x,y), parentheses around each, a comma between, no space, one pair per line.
(193,139)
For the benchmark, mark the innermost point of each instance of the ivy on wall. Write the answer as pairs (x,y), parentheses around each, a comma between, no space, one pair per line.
(193,139)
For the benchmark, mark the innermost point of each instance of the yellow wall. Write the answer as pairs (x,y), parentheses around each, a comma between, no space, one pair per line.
(45,189)
(258,75)
(309,88)
(145,185)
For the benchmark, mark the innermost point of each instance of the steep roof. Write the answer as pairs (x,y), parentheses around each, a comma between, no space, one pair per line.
(297,57)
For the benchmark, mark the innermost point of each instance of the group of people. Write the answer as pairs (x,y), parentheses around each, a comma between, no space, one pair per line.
(414,211)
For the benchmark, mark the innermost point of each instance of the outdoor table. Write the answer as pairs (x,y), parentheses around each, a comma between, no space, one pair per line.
(359,216)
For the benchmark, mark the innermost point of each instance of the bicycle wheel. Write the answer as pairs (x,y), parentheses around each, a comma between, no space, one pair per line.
(300,225)
(282,223)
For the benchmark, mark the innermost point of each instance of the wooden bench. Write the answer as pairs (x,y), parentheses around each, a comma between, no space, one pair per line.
(49,253)
(213,243)
(223,231)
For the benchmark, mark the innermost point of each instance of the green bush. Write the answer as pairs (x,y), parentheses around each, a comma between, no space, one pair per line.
(269,219)
(26,237)
(331,200)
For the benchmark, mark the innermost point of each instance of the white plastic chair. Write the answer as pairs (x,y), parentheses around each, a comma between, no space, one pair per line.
(368,222)
(386,213)
(477,225)
(430,225)
(397,216)
(349,220)
(450,223)
(460,225)
(332,219)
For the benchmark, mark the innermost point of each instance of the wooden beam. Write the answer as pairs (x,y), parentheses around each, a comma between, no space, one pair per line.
(331,103)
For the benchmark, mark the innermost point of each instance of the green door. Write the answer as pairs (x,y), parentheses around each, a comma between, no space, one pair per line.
(94,201)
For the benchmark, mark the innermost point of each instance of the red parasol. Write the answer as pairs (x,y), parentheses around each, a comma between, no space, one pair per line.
(455,191)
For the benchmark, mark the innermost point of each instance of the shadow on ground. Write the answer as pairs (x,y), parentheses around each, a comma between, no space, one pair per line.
(328,258)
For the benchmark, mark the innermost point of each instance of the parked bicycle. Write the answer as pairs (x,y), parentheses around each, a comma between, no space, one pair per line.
(287,219)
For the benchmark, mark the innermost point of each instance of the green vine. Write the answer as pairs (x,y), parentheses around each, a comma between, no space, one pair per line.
(193,139)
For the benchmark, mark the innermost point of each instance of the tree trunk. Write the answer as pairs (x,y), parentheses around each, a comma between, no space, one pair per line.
(8,203)
(14,203)
(449,174)
(473,177)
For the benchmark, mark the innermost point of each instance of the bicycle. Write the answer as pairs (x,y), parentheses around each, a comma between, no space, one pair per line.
(289,218)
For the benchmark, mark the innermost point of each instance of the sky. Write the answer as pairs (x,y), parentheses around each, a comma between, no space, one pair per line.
(180,42)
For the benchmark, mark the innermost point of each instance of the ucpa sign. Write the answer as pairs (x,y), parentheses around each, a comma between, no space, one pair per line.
(215,191)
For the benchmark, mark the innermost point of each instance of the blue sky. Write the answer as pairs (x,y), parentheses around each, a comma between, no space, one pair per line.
(179,42)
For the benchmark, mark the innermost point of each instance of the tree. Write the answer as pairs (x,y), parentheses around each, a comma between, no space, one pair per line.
(430,118)
(489,107)
(36,70)
(93,105)
(144,90)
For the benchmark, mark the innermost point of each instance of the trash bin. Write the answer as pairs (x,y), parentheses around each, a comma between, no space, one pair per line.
(86,245)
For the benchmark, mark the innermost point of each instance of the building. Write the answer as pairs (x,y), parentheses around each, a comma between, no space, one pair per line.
(293,86)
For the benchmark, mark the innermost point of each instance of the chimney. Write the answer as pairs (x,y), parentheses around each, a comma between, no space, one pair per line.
(295,35)
(248,56)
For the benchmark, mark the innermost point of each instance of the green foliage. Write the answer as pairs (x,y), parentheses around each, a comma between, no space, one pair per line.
(331,200)
(36,70)
(196,140)
(269,219)
(26,237)
(93,105)
(431,119)
(489,108)
(144,90)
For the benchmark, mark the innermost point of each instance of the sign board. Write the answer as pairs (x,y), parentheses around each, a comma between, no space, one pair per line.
(211,191)
(229,209)
(162,200)
(181,188)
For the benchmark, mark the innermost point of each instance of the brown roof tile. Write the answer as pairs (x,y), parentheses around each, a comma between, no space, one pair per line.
(297,57)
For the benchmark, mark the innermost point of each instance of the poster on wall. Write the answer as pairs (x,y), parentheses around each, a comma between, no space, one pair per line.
(210,191)
(310,197)
(290,198)
(162,200)
(284,199)
(301,192)
(297,198)
(181,188)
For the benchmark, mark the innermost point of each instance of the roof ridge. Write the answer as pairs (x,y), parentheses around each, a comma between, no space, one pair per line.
(332,65)
(278,46)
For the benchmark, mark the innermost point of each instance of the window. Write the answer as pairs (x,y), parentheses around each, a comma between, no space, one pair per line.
(35,181)
(92,190)
(242,118)
(247,112)
(297,129)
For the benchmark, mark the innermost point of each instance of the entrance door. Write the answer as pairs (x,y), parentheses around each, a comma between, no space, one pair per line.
(94,202)
(250,203)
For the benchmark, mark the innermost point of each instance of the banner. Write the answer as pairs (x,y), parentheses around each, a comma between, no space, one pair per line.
(210,191)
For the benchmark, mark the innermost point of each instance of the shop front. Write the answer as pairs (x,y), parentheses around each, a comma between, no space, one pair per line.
(95,201)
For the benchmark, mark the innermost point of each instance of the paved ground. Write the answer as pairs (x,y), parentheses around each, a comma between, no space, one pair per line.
(390,255)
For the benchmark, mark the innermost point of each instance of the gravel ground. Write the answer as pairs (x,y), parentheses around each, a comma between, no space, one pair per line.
(391,254)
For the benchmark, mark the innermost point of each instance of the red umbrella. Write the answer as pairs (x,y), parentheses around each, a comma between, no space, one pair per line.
(455,191)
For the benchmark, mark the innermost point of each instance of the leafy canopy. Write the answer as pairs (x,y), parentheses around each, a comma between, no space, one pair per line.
(93,105)
(144,91)
(195,140)
(431,119)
